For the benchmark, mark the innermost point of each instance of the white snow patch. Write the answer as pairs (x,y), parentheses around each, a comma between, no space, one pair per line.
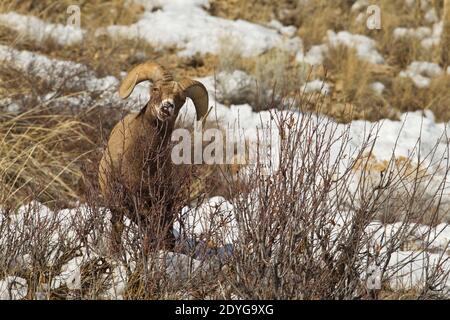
(315,55)
(55,70)
(288,31)
(418,33)
(213,220)
(428,37)
(318,86)
(187,26)
(364,46)
(13,288)
(411,269)
(431,16)
(38,30)
(70,275)
(378,87)
(421,72)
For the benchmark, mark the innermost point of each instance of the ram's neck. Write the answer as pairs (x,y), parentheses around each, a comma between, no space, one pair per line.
(161,130)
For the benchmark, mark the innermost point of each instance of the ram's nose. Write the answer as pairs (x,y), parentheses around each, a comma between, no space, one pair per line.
(168,107)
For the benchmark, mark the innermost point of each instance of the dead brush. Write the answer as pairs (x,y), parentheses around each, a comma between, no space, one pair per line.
(304,230)
(35,161)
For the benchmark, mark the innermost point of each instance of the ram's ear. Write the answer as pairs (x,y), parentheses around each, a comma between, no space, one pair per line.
(197,92)
(145,71)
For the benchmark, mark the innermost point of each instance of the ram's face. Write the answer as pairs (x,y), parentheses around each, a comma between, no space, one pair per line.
(166,99)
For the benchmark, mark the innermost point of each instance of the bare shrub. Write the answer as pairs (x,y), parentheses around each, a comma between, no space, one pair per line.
(305,232)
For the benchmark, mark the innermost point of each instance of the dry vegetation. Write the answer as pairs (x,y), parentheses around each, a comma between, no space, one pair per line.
(352,97)
(104,55)
(38,161)
(286,248)
(97,13)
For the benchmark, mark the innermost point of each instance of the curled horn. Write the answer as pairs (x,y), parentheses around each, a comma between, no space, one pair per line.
(197,92)
(145,71)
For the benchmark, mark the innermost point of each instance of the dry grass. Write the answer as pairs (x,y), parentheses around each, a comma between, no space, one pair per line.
(445,46)
(259,11)
(37,160)
(406,97)
(94,14)
(353,78)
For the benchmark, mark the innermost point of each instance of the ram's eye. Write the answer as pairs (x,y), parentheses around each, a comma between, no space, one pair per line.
(155,90)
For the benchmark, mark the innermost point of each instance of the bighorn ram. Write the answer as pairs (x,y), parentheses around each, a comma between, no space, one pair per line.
(136,164)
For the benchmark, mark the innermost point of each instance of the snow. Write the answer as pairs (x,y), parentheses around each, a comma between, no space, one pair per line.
(70,275)
(428,37)
(13,288)
(213,220)
(56,70)
(378,87)
(419,33)
(408,130)
(431,16)
(186,25)
(365,48)
(38,30)
(242,116)
(177,266)
(412,270)
(82,79)
(441,237)
(216,219)
(119,283)
(288,31)
(314,56)
(421,73)
(318,86)
(235,84)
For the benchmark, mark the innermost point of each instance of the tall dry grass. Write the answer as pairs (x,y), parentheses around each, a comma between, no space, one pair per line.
(445,40)
(37,161)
